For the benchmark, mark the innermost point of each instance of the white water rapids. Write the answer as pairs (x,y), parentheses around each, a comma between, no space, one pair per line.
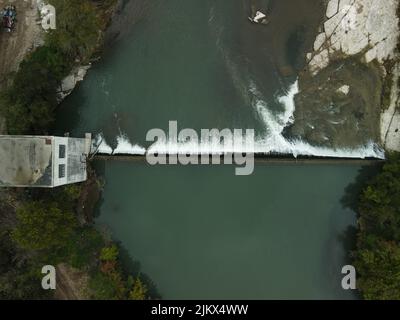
(273,142)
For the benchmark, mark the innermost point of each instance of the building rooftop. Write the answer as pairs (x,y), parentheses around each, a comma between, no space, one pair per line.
(42,161)
(25,160)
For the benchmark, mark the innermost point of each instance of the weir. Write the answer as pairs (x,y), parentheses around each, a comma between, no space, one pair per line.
(126,151)
(262,158)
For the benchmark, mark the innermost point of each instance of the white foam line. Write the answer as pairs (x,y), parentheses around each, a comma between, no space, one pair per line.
(198,148)
(270,145)
(124,146)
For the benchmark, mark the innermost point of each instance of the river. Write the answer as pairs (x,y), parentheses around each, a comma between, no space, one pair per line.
(201,231)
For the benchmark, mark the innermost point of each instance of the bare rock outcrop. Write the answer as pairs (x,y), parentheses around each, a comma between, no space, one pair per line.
(69,83)
(366,27)
(363,31)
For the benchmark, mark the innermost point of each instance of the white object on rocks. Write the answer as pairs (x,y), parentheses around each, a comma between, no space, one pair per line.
(344,89)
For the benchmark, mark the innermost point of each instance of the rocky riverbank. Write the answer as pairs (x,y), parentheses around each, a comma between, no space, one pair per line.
(51,71)
(79,72)
(350,85)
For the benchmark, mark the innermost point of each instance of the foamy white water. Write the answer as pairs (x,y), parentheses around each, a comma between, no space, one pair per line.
(99,145)
(124,146)
(273,141)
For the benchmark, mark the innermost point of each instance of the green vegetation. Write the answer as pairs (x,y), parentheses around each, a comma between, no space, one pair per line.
(46,228)
(110,283)
(48,232)
(20,275)
(377,258)
(43,226)
(29,104)
(109,254)
(139,290)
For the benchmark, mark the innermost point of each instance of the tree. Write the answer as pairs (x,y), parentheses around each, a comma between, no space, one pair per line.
(102,287)
(78,25)
(139,290)
(20,278)
(109,253)
(377,258)
(29,103)
(380,271)
(43,226)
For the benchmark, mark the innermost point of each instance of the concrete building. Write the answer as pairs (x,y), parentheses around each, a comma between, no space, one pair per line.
(43,161)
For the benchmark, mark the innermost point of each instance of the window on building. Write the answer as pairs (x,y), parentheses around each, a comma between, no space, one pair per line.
(61,171)
(61,151)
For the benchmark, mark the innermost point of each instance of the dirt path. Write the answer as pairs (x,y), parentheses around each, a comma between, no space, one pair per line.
(14,46)
(71,283)
(27,35)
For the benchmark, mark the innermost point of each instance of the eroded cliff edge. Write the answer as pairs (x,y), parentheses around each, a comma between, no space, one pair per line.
(349,89)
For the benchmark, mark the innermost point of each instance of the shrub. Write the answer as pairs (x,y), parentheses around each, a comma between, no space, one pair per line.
(43,226)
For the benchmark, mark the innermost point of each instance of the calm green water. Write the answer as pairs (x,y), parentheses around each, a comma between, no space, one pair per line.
(201,232)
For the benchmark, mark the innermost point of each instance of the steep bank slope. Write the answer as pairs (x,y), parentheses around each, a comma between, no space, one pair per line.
(353,72)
